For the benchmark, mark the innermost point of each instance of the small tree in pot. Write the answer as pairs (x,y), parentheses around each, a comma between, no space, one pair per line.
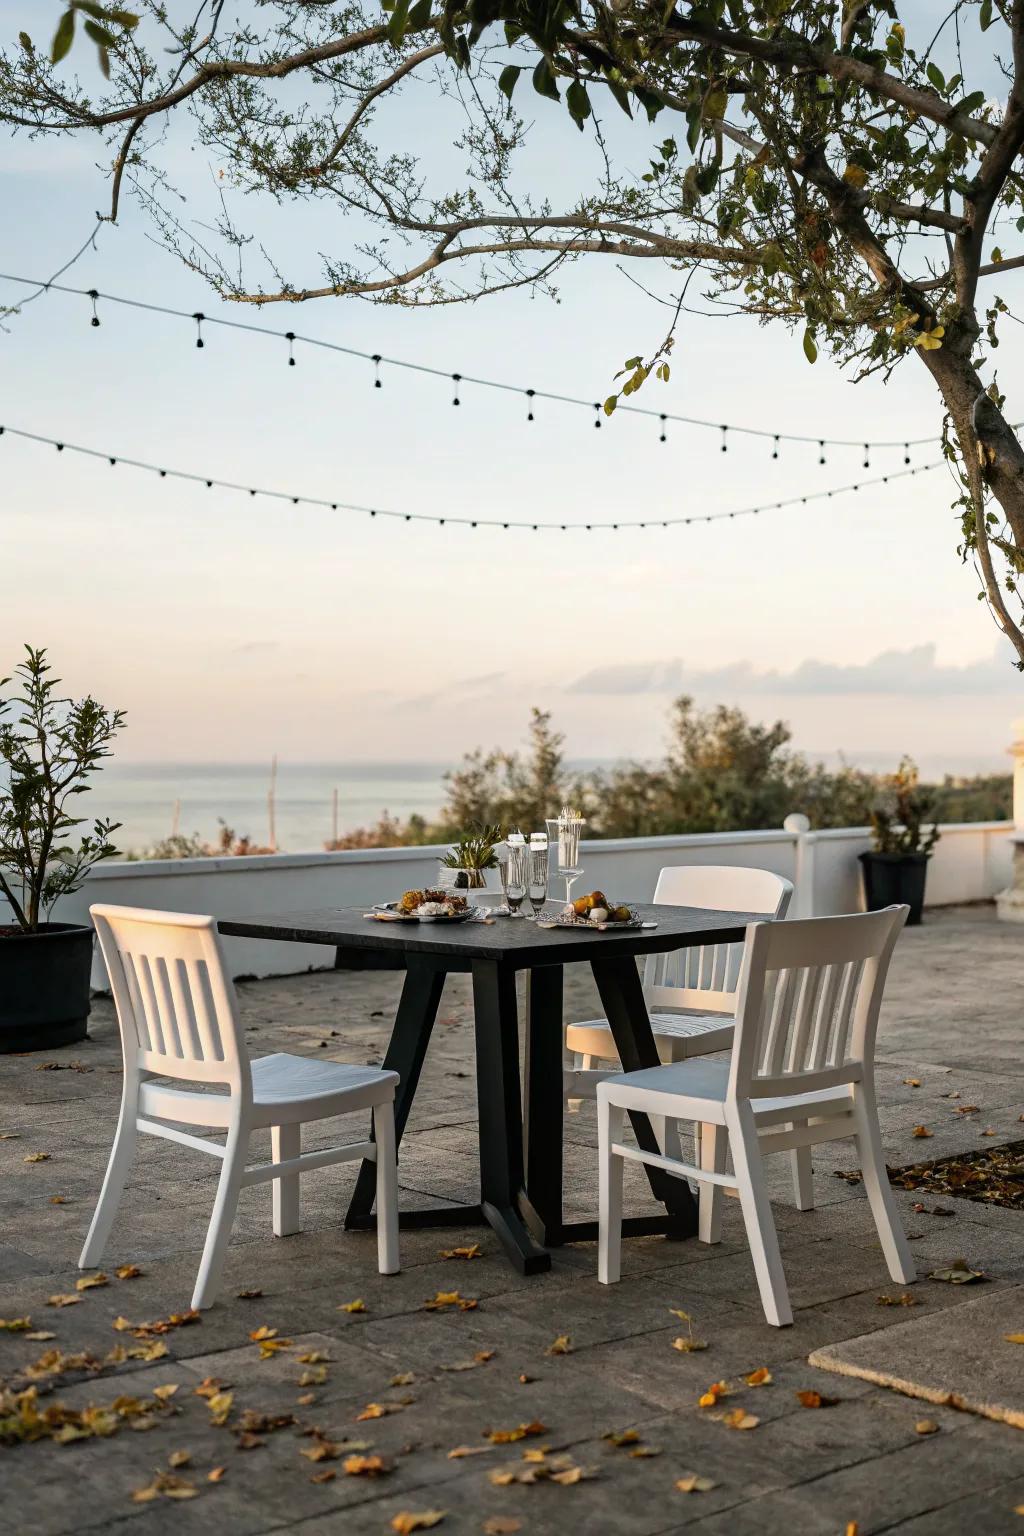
(49,745)
(903,834)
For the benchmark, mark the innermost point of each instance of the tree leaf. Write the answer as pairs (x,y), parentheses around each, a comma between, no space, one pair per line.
(544,81)
(578,102)
(810,347)
(508,79)
(63,37)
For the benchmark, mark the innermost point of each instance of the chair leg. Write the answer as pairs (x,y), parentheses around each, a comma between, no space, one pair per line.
(877,1188)
(712,1144)
(222,1219)
(387,1188)
(582,1062)
(758,1219)
(121,1155)
(286,1143)
(803,1175)
(609,1241)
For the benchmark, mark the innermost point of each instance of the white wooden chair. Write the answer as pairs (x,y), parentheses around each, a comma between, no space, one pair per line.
(691,993)
(178,1016)
(801,1073)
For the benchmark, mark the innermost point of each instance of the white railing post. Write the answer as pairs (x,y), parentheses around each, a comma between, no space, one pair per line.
(803,864)
(1010,903)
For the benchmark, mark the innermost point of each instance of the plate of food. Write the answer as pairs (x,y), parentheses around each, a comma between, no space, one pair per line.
(428,906)
(596,911)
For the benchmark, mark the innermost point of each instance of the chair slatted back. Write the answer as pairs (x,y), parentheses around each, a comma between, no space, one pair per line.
(809,996)
(176,1006)
(705,976)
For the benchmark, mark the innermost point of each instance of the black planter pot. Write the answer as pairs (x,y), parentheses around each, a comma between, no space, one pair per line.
(44,987)
(892,879)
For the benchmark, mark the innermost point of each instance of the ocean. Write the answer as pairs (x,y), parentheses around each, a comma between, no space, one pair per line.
(150,798)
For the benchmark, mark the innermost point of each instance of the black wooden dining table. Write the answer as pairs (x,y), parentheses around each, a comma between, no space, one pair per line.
(520,1126)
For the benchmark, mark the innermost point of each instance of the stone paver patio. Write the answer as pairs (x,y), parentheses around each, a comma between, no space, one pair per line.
(952,1022)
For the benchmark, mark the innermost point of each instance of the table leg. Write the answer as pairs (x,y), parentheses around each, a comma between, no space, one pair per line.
(499,1110)
(542,1203)
(414,1021)
(618,982)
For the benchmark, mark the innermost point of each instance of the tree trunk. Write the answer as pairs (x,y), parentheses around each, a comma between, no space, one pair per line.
(993,459)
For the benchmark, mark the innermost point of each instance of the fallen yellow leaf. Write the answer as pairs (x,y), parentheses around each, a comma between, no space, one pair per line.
(561,1346)
(738,1418)
(759,1378)
(220,1407)
(688,1346)
(926,1427)
(63,1301)
(128,1272)
(91,1282)
(816,1400)
(920,1131)
(179,1459)
(37,1157)
(716,1390)
(1015,1338)
(15,1324)
(694,1483)
(521,1432)
(407,1520)
(450,1299)
(215,1474)
(366,1466)
(358,1305)
(472,1252)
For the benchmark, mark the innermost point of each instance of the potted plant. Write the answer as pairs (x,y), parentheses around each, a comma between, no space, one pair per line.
(49,745)
(902,841)
(465,865)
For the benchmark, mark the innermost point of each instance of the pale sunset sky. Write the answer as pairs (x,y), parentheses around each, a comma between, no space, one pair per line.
(230,628)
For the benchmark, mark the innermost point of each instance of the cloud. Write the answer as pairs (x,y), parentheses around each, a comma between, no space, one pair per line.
(912,672)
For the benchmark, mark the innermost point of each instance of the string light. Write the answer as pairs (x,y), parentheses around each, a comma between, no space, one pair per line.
(199,317)
(289,337)
(211,482)
(775,447)
(663,438)
(725,445)
(457,378)
(94,296)
(529,395)
(821,450)
(424,368)
(376,371)
(597,415)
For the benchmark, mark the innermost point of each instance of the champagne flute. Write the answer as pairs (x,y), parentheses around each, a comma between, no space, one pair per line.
(537,882)
(513,877)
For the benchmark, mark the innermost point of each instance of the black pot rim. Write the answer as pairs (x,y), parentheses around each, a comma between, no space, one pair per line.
(894,858)
(44,931)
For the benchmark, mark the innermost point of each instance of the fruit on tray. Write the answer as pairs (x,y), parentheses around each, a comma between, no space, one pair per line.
(437,903)
(599,909)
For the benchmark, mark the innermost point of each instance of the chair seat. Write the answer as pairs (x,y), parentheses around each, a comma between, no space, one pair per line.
(285,1089)
(678,1036)
(696,1090)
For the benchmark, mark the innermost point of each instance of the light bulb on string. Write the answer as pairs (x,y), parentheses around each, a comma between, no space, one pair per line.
(95,317)
(199,317)
(906,453)
(457,377)
(597,414)
(821,450)
(376,371)
(725,445)
(663,438)
(775,447)
(529,395)
(289,336)
(867,455)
